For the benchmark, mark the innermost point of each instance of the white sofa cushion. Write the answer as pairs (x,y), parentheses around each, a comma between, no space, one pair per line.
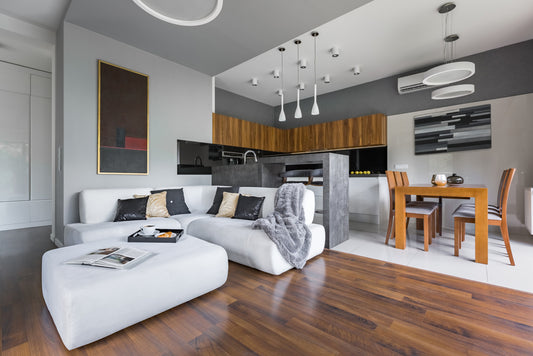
(270,195)
(186,219)
(88,303)
(112,231)
(100,205)
(251,247)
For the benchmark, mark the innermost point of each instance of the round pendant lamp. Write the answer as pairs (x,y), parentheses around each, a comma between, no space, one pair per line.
(449,73)
(314,109)
(282,111)
(182,12)
(298,111)
(454,91)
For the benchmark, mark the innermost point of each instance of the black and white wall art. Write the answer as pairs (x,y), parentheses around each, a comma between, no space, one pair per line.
(452,131)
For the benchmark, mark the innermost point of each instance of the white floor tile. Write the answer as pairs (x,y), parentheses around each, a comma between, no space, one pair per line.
(368,240)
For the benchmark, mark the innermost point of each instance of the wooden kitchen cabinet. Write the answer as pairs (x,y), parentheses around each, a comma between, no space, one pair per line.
(364,131)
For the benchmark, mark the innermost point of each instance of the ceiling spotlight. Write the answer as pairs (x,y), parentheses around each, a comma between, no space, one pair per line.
(303,63)
(275,73)
(301,86)
(356,70)
(279,92)
(327,79)
(254,82)
(334,51)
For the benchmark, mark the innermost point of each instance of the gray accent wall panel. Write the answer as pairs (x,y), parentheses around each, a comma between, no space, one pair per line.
(234,105)
(500,73)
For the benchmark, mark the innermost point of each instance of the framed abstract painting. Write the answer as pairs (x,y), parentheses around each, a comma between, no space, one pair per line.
(123,124)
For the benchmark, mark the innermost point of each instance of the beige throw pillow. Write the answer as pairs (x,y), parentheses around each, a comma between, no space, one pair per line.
(156,206)
(228,205)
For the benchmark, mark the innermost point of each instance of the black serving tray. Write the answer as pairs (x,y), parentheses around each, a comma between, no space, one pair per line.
(136,237)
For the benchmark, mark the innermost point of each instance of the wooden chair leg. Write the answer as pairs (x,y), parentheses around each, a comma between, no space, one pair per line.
(439,217)
(456,236)
(505,235)
(426,232)
(389,228)
(430,228)
(463,233)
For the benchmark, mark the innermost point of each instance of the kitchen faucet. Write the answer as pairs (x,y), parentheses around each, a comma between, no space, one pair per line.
(198,161)
(246,153)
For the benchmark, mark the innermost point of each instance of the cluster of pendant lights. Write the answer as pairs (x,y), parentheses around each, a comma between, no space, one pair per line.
(301,64)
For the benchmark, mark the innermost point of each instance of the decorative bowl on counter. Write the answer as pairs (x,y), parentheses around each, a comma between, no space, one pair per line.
(455,179)
(439,179)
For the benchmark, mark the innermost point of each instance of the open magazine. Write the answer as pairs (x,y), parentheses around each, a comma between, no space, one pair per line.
(112,257)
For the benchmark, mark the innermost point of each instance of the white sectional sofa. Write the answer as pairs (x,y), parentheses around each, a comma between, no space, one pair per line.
(243,244)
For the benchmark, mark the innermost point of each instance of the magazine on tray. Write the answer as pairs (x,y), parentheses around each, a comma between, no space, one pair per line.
(112,257)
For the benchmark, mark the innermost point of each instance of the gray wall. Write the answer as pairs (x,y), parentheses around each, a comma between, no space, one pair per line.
(234,105)
(180,108)
(500,73)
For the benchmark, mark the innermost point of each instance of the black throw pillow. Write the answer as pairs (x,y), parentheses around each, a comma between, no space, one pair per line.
(248,207)
(175,201)
(131,209)
(218,198)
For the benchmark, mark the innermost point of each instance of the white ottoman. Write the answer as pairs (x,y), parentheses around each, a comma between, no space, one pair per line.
(88,303)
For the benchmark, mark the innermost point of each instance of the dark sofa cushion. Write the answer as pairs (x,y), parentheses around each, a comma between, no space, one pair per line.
(248,207)
(131,209)
(175,201)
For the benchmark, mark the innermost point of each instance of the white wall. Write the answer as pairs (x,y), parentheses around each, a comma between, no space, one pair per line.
(179,108)
(512,147)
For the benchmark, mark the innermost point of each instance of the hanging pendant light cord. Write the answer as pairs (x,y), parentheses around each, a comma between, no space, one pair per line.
(298,64)
(314,65)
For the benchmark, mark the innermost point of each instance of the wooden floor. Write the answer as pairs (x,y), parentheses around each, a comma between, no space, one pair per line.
(338,304)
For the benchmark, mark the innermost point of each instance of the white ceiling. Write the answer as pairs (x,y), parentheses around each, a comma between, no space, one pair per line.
(386,38)
(44,13)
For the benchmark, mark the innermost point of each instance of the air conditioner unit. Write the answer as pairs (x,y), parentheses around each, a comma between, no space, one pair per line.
(412,83)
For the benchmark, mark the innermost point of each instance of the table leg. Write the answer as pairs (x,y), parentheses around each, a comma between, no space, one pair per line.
(399,219)
(482,227)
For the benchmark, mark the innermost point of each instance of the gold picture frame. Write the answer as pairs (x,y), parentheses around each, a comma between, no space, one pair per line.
(123,120)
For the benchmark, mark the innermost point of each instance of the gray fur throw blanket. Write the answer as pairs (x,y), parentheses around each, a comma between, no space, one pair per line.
(286,226)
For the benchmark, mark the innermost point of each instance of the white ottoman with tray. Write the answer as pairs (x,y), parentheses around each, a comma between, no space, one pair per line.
(88,303)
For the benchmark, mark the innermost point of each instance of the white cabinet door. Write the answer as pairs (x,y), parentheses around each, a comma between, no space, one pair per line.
(41,148)
(14,146)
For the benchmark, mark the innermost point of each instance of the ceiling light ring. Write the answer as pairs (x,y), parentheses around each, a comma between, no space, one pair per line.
(175,21)
(454,91)
(449,73)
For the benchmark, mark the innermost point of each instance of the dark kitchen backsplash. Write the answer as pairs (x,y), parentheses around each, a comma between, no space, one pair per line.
(199,157)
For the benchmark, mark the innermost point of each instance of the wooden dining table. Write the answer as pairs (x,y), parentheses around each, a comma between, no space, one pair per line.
(478,192)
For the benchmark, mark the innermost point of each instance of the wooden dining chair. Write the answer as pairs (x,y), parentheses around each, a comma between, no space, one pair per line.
(497,215)
(426,212)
